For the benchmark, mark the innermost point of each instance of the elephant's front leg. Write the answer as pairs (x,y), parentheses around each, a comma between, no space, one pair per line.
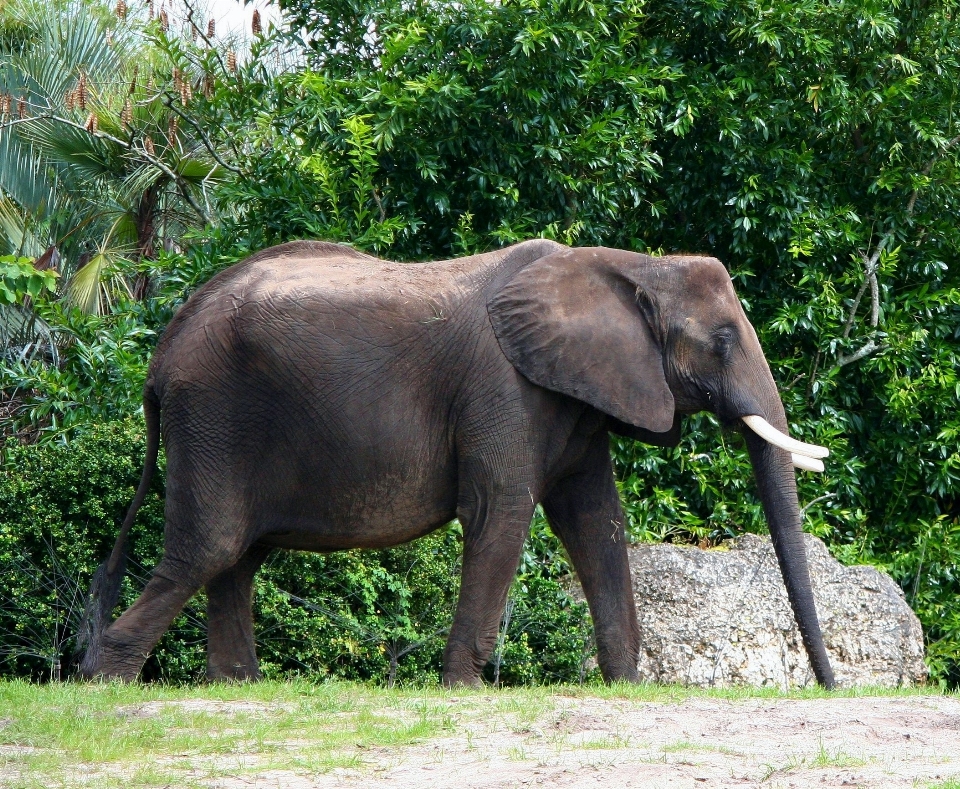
(493,535)
(585,513)
(231,652)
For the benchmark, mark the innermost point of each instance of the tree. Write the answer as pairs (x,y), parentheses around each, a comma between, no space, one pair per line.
(95,157)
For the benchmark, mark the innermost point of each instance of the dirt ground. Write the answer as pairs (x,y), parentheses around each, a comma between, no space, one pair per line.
(584,742)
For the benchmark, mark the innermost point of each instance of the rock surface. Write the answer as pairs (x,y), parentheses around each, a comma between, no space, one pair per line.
(721,617)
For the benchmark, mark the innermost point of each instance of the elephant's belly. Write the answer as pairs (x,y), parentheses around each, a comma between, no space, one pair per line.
(314,537)
(367,516)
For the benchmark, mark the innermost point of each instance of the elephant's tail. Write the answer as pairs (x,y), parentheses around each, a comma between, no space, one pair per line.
(104,592)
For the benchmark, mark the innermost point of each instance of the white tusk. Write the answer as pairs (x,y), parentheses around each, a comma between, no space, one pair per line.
(807,464)
(768,432)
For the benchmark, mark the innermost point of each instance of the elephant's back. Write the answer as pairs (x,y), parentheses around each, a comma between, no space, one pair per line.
(337,272)
(337,275)
(334,293)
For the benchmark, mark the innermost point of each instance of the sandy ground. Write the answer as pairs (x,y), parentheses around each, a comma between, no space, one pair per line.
(869,742)
(572,741)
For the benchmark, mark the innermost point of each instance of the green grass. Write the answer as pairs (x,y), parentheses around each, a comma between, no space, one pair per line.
(677,693)
(109,727)
(822,758)
(111,735)
(686,745)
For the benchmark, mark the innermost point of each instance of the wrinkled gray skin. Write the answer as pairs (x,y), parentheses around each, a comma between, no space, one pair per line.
(316,398)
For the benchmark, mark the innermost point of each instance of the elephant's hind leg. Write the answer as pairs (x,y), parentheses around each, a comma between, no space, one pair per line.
(128,641)
(231,651)
(584,512)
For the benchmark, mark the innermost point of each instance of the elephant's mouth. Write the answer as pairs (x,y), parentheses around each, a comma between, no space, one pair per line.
(805,456)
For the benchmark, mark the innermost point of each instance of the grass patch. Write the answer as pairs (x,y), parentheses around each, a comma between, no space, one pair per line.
(606,742)
(66,735)
(839,758)
(823,758)
(131,735)
(677,693)
(686,745)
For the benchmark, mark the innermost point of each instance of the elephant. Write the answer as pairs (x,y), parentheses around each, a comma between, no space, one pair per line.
(316,398)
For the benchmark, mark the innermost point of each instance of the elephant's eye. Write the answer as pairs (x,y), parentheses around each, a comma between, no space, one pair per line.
(723,340)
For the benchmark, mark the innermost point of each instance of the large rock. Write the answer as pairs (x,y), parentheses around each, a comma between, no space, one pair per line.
(721,617)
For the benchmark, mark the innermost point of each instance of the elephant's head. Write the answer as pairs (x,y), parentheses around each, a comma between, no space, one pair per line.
(644,339)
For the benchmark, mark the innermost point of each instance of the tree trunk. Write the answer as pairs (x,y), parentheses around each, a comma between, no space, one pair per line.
(146,236)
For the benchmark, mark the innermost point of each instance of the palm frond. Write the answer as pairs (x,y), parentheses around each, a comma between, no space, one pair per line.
(84,290)
(12,227)
(67,147)
(66,43)
(15,234)
(92,286)
(24,335)
(195,169)
(22,175)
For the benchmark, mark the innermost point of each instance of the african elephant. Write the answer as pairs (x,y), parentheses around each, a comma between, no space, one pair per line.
(315,398)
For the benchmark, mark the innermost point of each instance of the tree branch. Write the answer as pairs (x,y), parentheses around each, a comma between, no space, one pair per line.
(168,102)
(870,273)
(824,497)
(868,347)
(869,281)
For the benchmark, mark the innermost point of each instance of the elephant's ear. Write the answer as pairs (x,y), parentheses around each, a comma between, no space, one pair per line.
(570,322)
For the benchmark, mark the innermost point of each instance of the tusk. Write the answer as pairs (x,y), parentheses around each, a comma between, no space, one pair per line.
(807,464)
(768,432)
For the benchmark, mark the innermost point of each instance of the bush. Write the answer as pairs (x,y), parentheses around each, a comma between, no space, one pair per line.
(60,506)
(366,615)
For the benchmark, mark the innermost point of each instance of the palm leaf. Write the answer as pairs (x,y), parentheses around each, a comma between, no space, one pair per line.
(84,290)
(24,335)
(65,43)
(91,286)
(87,156)
(22,176)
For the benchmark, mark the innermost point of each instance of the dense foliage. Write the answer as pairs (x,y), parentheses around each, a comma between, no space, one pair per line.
(813,148)
(380,615)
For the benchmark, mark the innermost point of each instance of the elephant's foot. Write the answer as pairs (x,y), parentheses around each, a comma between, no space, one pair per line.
(231,647)
(123,648)
(463,666)
(116,661)
(617,664)
(626,674)
(461,681)
(231,651)
(109,675)
(233,672)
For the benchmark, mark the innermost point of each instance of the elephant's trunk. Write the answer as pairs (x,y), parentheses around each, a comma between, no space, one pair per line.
(773,469)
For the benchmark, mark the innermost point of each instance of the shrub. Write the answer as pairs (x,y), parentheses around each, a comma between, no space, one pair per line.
(366,615)
(60,505)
